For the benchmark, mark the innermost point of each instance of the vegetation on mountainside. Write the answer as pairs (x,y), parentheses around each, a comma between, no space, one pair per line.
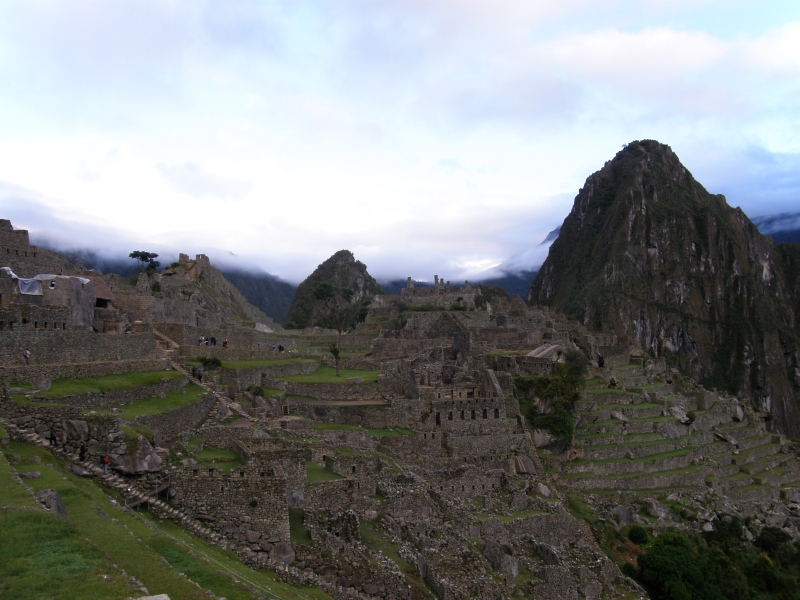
(340,271)
(720,564)
(559,392)
(266,292)
(488,293)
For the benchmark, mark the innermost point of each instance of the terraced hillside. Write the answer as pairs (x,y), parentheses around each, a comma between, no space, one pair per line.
(646,438)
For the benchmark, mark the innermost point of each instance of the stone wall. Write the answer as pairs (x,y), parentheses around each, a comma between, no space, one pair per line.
(57,346)
(34,373)
(223,437)
(333,495)
(413,448)
(246,506)
(268,452)
(483,445)
(522,365)
(100,432)
(400,412)
(119,397)
(335,391)
(387,348)
(169,425)
(240,379)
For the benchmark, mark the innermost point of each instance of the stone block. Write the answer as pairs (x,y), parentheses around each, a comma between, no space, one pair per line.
(282,552)
(543,490)
(52,502)
(252,536)
(78,430)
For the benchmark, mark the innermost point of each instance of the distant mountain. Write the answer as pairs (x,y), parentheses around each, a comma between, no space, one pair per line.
(781,228)
(264,291)
(514,283)
(344,274)
(395,285)
(648,253)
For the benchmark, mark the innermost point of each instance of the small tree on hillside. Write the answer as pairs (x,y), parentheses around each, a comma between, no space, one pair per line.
(147,260)
(329,295)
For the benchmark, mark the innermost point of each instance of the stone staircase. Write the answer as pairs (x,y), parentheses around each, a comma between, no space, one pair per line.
(629,439)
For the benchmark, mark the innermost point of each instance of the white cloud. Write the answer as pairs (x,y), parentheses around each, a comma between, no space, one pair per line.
(192,180)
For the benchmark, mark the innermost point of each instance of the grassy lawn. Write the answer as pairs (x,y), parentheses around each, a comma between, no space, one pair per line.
(42,556)
(298,533)
(224,460)
(337,427)
(328,375)
(317,473)
(391,432)
(153,406)
(106,383)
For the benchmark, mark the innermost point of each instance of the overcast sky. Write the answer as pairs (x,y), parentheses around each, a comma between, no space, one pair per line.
(427,136)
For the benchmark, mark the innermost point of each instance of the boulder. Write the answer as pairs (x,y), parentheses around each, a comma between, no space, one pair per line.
(282,552)
(622,516)
(501,557)
(355,380)
(543,490)
(370,589)
(42,384)
(79,471)
(524,465)
(77,430)
(188,462)
(30,475)
(654,508)
(619,416)
(738,413)
(145,460)
(296,499)
(52,502)
(252,536)
(679,413)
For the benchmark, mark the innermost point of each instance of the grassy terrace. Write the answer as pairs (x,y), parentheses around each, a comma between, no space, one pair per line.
(42,556)
(224,460)
(393,431)
(317,473)
(645,459)
(153,406)
(637,444)
(239,365)
(328,375)
(106,383)
(606,390)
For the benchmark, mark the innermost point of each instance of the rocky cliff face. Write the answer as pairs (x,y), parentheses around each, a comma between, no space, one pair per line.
(343,272)
(648,253)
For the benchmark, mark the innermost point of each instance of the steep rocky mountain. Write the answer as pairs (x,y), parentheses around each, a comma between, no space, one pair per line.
(648,253)
(269,294)
(342,272)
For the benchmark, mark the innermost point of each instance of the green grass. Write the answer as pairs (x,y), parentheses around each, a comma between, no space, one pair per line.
(298,533)
(224,460)
(22,386)
(317,473)
(41,556)
(11,491)
(153,406)
(106,383)
(391,432)
(328,375)
(22,399)
(3,433)
(579,509)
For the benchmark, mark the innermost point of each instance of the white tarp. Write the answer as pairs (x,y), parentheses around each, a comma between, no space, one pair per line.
(33,286)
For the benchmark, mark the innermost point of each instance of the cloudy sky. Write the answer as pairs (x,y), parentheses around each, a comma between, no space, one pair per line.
(428,136)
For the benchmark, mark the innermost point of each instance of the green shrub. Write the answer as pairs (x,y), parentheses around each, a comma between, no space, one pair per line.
(156,287)
(638,535)
(210,363)
(691,415)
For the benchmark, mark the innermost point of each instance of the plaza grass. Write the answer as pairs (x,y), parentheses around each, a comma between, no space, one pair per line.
(240,365)
(42,556)
(106,383)
(328,375)
(224,460)
(317,473)
(153,406)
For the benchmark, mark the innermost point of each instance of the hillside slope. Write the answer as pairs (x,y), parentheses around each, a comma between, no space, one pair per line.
(648,253)
(343,272)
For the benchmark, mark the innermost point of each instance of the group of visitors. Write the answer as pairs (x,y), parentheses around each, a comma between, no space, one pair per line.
(61,440)
(279,348)
(212,341)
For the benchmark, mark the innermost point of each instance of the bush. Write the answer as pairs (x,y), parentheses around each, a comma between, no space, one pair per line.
(156,287)
(638,535)
(691,415)
(256,390)
(210,363)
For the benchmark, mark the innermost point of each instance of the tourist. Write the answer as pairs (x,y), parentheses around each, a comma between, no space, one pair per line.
(64,441)
(105,464)
(273,347)
(26,354)
(225,343)
(53,440)
(202,339)
(82,452)
(280,347)
(213,341)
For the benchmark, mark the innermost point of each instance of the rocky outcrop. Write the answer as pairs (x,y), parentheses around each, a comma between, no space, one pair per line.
(144,460)
(648,253)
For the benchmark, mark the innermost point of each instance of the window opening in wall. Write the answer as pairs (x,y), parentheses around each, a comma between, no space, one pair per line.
(438,419)
(496,413)
(24,321)
(425,436)
(195,471)
(484,413)
(241,474)
(36,324)
(433,436)
(11,324)
(462,415)
(52,285)
(63,326)
(473,415)
(353,469)
(462,488)
(221,488)
(450,416)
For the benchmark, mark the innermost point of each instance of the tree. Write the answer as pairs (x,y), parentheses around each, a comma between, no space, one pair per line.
(328,294)
(147,260)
